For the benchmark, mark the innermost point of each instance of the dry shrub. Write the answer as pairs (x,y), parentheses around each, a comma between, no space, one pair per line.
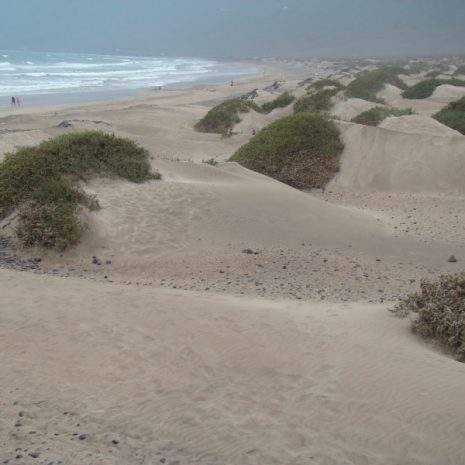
(440,309)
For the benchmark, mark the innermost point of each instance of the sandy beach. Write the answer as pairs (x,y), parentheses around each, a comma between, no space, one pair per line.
(220,316)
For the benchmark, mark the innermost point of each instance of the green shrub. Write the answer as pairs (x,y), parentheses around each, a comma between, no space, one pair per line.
(453,115)
(440,307)
(368,83)
(280,102)
(301,150)
(426,88)
(211,161)
(322,83)
(320,101)
(433,74)
(53,225)
(377,115)
(460,71)
(422,89)
(43,182)
(222,118)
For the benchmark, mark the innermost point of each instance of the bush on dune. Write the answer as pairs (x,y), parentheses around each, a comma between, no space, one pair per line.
(460,71)
(42,182)
(426,88)
(368,83)
(280,102)
(222,118)
(320,101)
(453,115)
(301,150)
(322,83)
(440,309)
(377,115)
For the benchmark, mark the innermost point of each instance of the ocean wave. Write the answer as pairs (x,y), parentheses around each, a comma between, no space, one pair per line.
(27,73)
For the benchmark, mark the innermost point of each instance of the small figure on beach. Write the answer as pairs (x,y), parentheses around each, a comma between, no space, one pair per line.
(18,102)
(232,83)
(13,102)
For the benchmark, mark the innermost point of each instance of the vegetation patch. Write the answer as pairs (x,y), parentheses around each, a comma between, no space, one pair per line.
(440,309)
(322,83)
(280,102)
(460,71)
(375,116)
(433,74)
(42,183)
(453,115)
(301,150)
(426,88)
(320,101)
(368,83)
(222,118)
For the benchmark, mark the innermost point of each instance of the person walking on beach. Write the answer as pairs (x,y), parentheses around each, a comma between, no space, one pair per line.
(18,102)
(13,102)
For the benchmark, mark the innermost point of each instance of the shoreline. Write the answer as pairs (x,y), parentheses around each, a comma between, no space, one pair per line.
(100,95)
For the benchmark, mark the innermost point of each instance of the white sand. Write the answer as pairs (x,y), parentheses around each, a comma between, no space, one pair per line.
(275,356)
(378,159)
(216,379)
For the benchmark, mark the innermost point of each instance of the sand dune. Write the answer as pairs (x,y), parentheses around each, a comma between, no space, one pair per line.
(377,159)
(215,379)
(447,93)
(312,373)
(429,106)
(346,109)
(419,124)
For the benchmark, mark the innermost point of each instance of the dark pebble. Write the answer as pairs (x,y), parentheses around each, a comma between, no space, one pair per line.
(34,455)
(114,441)
(82,437)
(452,259)
(162,460)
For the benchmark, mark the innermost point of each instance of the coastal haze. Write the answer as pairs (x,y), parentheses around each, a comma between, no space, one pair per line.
(236,29)
(223,295)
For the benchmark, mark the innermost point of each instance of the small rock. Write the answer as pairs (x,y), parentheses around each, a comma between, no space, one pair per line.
(452,259)
(162,460)
(82,437)
(114,441)
(248,251)
(34,455)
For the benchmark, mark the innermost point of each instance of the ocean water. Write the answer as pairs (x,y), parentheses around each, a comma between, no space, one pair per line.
(37,73)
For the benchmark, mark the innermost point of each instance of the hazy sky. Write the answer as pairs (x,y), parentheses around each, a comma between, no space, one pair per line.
(234,29)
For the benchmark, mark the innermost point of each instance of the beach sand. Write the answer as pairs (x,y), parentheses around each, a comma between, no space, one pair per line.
(231,318)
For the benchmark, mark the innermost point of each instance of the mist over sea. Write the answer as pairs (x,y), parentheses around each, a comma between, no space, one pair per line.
(33,74)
